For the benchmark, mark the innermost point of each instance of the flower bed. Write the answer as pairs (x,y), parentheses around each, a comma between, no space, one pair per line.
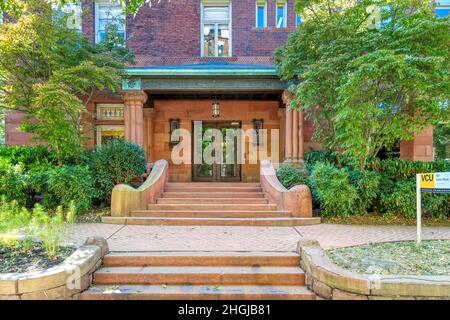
(63,281)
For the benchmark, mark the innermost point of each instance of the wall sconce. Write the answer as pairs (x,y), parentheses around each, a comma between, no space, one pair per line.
(174,132)
(257,126)
(216,109)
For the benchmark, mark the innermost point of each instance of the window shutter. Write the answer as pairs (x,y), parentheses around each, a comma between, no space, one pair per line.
(216,3)
(216,14)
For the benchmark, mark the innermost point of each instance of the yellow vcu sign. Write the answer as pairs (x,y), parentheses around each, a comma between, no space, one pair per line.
(438,182)
(427,180)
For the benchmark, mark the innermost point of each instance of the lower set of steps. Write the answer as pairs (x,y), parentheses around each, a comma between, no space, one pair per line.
(213,204)
(197,276)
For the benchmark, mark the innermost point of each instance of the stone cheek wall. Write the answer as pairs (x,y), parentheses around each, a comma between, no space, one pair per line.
(64,281)
(331,282)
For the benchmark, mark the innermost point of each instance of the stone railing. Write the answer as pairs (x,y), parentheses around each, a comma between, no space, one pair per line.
(125,198)
(64,281)
(297,200)
(331,282)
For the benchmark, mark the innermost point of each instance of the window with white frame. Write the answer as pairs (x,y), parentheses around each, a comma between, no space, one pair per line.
(298,20)
(281,14)
(216,28)
(108,13)
(261,13)
(442,8)
(73,12)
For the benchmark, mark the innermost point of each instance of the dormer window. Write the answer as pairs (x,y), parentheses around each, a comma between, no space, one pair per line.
(216,28)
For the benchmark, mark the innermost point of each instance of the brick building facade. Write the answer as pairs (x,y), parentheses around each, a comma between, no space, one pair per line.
(192,55)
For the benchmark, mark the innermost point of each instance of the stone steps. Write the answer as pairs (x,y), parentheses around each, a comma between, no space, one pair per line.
(185,221)
(210,214)
(230,259)
(199,275)
(190,292)
(212,206)
(215,195)
(216,201)
(195,275)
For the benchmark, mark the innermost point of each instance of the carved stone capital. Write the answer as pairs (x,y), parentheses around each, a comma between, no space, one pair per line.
(134,96)
(287,97)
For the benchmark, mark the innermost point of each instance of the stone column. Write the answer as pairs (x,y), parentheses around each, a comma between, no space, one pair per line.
(288,135)
(301,136)
(421,148)
(134,115)
(294,137)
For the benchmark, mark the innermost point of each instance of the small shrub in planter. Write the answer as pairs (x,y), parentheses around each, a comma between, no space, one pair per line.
(291,175)
(114,163)
(333,189)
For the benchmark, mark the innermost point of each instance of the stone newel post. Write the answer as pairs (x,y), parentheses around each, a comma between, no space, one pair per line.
(134,115)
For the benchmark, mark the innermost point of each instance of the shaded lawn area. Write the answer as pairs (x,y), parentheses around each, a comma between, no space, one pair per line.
(405,258)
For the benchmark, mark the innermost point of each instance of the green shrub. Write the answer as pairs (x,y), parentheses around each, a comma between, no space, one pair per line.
(13,182)
(62,185)
(401,199)
(27,156)
(291,175)
(333,189)
(436,205)
(314,156)
(114,163)
(398,169)
(367,185)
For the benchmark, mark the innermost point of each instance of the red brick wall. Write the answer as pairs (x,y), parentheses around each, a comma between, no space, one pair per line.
(169,33)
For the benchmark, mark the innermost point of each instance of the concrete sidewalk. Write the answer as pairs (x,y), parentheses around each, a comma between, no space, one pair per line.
(277,239)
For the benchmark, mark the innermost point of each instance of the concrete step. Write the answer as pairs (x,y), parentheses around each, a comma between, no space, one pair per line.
(189,275)
(256,222)
(169,188)
(214,184)
(212,206)
(189,292)
(216,195)
(212,259)
(215,201)
(210,214)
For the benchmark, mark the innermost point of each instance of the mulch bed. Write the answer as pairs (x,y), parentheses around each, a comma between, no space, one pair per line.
(395,258)
(16,260)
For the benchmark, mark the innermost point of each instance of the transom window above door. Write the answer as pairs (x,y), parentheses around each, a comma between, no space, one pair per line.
(216,28)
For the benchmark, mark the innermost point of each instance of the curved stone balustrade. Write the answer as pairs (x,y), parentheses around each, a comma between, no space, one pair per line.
(297,200)
(125,198)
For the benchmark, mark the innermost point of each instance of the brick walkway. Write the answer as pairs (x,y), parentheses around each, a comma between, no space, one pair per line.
(171,238)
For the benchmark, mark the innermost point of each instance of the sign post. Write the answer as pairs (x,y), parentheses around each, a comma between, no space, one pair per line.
(429,182)
(419,210)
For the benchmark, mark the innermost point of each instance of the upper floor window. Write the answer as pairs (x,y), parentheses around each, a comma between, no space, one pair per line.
(261,13)
(281,14)
(216,28)
(108,13)
(442,9)
(73,13)
(298,20)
